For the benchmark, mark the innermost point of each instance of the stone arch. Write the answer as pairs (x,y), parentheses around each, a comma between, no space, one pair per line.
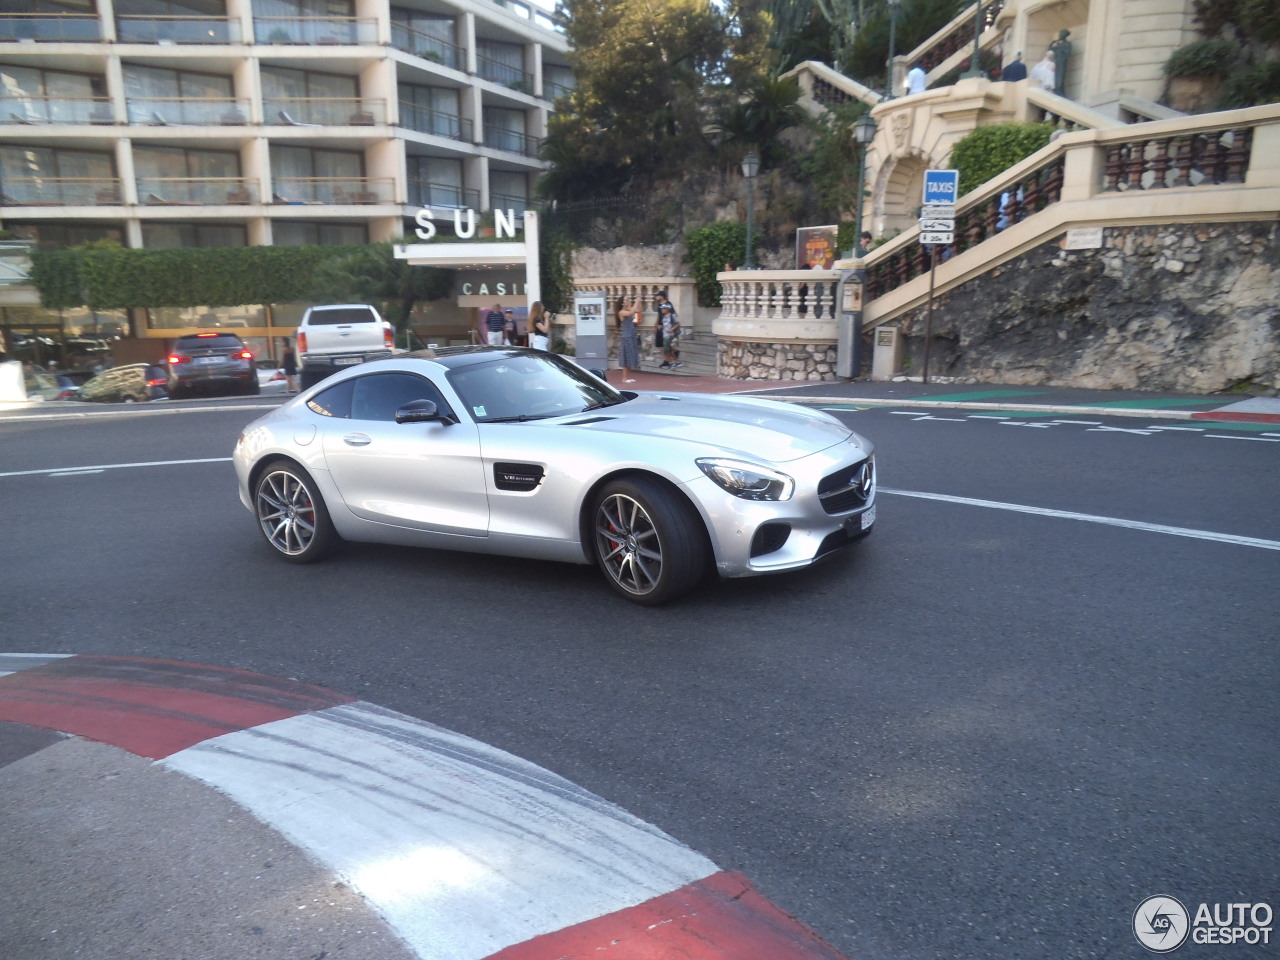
(899,186)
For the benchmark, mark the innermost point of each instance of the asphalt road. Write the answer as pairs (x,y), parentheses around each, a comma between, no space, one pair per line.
(985,732)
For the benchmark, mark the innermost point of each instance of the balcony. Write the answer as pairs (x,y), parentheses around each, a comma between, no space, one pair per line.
(196,191)
(434,122)
(505,201)
(60,191)
(164,30)
(330,190)
(512,141)
(77,110)
(187,111)
(441,196)
(315,31)
(323,112)
(504,73)
(551,89)
(49,28)
(426,46)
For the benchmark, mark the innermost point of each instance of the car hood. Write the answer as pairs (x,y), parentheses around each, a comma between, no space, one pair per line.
(761,429)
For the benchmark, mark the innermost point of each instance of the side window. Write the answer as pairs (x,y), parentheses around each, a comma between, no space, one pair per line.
(380,395)
(334,402)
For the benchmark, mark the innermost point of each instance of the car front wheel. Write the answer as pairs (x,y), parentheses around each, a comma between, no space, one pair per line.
(292,514)
(648,540)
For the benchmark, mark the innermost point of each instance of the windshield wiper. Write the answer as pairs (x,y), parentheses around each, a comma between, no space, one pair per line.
(521,418)
(603,403)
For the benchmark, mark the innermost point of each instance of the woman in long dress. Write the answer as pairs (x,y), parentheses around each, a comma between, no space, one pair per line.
(629,317)
(1043,72)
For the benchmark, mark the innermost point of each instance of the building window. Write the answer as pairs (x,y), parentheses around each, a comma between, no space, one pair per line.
(50,235)
(156,235)
(47,175)
(503,63)
(307,175)
(303,96)
(288,233)
(434,110)
(182,175)
(158,96)
(508,190)
(34,95)
(504,130)
(429,36)
(436,182)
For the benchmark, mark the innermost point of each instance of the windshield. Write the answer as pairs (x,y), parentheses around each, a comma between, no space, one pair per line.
(528,386)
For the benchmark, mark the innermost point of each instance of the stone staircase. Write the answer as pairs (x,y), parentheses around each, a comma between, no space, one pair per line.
(697,356)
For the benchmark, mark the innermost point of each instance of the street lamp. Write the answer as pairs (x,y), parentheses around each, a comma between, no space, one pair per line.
(893,24)
(975,65)
(864,131)
(750,167)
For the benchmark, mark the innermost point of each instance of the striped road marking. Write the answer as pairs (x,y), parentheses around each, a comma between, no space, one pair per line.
(466,851)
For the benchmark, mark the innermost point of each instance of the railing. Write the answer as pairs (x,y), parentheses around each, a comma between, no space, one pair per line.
(763,295)
(179,29)
(196,190)
(512,141)
(551,89)
(49,28)
(323,31)
(505,201)
(441,196)
(323,111)
(426,46)
(504,73)
(954,37)
(54,110)
(189,111)
(424,120)
(59,191)
(1183,160)
(295,190)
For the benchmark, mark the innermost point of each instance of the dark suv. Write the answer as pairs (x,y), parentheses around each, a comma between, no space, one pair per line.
(211,361)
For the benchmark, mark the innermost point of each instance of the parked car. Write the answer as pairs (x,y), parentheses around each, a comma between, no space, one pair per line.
(338,335)
(132,383)
(211,362)
(40,383)
(523,453)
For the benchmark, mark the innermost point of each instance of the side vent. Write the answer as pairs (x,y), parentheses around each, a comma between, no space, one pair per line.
(517,477)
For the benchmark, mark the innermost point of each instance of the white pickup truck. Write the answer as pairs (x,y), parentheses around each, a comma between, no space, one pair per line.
(339,335)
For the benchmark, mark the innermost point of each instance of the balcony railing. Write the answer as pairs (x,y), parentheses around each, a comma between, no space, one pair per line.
(504,73)
(426,46)
(197,111)
(434,122)
(294,190)
(954,37)
(442,196)
(323,111)
(49,28)
(1182,160)
(551,89)
(55,110)
(513,141)
(135,29)
(199,191)
(311,31)
(506,201)
(59,191)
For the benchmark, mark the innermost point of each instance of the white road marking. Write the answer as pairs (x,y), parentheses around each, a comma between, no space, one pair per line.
(464,849)
(75,473)
(1186,429)
(1086,423)
(1141,433)
(1091,518)
(72,471)
(1265,438)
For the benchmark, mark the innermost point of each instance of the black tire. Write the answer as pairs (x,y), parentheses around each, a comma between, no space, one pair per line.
(291,513)
(648,541)
(253,388)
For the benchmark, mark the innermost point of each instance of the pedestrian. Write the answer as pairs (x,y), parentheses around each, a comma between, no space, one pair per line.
(916,80)
(629,319)
(493,323)
(865,241)
(509,334)
(669,324)
(1042,74)
(1015,70)
(289,364)
(539,327)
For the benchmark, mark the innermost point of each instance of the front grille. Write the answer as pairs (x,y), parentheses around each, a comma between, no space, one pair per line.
(848,489)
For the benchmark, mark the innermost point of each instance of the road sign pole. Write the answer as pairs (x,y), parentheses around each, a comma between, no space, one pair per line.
(928,321)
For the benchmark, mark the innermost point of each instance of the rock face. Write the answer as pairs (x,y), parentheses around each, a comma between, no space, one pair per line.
(1185,307)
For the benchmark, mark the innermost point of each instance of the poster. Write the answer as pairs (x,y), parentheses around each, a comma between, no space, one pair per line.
(815,248)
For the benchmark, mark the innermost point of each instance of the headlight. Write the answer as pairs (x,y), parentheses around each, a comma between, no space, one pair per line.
(747,480)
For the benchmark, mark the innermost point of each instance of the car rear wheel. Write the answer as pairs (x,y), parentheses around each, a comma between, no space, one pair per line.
(292,514)
(648,540)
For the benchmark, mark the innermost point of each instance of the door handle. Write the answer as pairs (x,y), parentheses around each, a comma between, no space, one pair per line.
(357,440)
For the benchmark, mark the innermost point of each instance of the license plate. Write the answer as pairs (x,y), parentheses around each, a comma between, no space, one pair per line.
(345,361)
(208,359)
(868,516)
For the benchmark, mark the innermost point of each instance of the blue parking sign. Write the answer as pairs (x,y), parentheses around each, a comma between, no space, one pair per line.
(941,186)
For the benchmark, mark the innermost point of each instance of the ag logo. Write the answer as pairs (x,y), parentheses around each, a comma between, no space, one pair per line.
(1161,924)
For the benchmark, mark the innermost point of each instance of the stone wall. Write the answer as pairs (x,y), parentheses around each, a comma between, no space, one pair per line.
(1184,307)
(743,360)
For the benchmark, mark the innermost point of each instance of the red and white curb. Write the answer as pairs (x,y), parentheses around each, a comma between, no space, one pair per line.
(466,851)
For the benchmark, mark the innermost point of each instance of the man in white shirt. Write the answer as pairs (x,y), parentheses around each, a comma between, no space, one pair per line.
(916,80)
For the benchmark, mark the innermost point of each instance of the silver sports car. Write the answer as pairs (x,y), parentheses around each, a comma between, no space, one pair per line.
(525,454)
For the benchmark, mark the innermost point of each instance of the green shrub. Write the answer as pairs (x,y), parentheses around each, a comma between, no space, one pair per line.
(710,248)
(989,151)
(1248,86)
(1203,58)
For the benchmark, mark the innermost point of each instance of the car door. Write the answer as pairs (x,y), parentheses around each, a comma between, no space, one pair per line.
(423,476)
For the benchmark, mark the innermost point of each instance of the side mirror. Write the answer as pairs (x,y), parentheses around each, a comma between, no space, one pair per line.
(423,411)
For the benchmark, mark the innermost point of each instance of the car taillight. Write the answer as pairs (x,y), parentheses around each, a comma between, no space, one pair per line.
(178,358)
(302,342)
(388,338)
(157,382)
(246,355)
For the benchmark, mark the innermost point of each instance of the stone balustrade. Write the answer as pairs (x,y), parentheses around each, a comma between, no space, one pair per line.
(777,325)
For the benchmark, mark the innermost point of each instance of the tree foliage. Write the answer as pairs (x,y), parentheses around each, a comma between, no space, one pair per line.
(710,248)
(1241,47)
(833,165)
